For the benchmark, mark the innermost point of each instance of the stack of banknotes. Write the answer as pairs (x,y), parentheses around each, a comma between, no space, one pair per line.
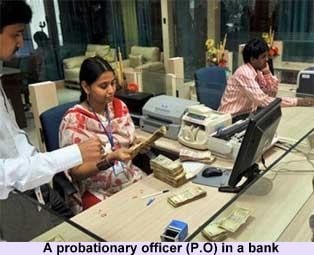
(196,155)
(218,231)
(168,170)
(186,196)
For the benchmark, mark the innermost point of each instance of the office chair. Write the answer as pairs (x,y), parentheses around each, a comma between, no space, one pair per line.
(50,121)
(210,83)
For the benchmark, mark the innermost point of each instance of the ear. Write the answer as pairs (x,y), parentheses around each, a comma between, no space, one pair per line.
(85,87)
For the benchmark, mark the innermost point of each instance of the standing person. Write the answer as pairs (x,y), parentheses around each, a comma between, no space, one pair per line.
(101,114)
(252,85)
(21,166)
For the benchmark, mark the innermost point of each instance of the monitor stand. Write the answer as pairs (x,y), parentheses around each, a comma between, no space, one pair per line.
(251,174)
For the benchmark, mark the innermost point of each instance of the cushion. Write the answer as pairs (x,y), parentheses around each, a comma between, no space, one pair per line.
(135,60)
(90,54)
(108,55)
(102,50)
(150,54)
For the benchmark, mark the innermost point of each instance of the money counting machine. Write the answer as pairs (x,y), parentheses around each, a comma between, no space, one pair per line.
(226,142)
(164,111)
(198,123)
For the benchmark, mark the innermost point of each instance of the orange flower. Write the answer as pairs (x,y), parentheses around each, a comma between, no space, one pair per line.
(273,51)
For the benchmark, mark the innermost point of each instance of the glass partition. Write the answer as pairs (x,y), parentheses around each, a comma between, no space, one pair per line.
(24,219)
(282,196)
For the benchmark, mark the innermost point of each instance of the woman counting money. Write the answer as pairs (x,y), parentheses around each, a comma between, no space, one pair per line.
(100,114)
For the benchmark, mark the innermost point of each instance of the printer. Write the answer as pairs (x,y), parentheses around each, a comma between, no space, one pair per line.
(305,82)
(164,111)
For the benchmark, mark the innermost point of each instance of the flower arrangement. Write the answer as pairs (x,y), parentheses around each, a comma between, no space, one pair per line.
(269,39)
(215,55)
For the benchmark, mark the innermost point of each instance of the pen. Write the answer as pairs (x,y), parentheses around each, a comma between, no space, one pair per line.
(150,201)
(156,193)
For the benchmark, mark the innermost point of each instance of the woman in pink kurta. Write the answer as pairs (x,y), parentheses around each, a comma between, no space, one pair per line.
(100,114)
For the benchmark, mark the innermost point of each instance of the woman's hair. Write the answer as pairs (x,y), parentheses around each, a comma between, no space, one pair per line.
(254,48)
(91,69)
(14,12)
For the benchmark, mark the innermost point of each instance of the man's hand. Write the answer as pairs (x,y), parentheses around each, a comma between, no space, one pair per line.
(307,101)
(266,69)
(91,150)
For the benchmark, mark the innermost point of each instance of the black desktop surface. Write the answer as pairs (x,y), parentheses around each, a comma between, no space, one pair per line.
(134,100)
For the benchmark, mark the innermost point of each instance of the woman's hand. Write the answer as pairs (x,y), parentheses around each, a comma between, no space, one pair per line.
(145,149)
(122,154)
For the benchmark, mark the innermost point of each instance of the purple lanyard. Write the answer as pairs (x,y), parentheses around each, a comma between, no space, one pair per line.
(108,133)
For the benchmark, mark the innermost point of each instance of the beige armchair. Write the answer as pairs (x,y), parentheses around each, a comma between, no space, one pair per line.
(71,66)
(144,59)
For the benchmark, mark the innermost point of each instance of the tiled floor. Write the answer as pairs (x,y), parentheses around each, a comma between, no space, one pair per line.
(64,95)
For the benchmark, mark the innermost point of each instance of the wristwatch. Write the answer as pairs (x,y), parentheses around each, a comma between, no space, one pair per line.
(104,164)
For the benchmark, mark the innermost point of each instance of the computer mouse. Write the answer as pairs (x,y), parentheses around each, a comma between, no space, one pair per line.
(211,172)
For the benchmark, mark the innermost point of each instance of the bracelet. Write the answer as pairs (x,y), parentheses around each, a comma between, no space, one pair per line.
(104,164)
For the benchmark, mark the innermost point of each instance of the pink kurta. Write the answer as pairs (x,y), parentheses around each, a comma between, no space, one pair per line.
(79,124)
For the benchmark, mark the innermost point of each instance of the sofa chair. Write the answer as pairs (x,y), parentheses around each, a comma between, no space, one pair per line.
(71,66)
(144,59)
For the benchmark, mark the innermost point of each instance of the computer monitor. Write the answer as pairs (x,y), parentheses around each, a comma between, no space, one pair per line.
(258,136)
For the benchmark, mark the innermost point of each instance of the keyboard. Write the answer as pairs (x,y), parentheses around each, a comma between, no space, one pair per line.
(228,132)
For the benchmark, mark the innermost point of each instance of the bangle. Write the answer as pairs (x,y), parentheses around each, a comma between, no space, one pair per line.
(104,164)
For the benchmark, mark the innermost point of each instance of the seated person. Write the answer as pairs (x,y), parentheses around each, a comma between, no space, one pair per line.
(100,114)
(252,85)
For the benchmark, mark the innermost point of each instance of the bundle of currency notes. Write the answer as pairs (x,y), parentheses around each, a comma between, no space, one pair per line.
(213,232)
(186,196)
(196,155)
(168,170)
(217,231)
(149,141)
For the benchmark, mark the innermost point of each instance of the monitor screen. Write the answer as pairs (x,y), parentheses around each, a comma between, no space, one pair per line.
(258,136)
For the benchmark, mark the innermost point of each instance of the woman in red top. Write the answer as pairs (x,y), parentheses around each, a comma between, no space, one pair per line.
(100,114)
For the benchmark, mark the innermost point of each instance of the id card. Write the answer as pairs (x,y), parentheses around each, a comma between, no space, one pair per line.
(118,168)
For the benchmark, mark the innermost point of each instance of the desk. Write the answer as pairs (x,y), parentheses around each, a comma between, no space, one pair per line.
(275,200)
(125,216)
(12,84)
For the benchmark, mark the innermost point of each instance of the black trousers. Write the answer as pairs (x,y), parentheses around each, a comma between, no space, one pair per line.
(53,200)
(21,219)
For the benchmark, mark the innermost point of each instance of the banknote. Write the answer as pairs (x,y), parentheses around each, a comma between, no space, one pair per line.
(213,232)
(235,219)
(149,141)
(186,196)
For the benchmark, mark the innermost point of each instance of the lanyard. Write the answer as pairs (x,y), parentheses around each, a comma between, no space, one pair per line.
(4,99)
(108,133)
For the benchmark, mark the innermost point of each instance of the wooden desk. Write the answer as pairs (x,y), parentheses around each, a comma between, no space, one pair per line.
(289,128)
(276,199)
(12,84)
(125,216)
